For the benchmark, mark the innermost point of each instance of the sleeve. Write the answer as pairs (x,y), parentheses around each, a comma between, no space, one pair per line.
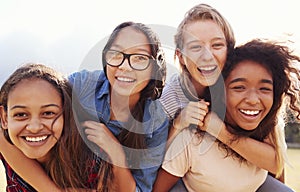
(169,99)
(177,159)
(83,81)
(152,158)
(84,86)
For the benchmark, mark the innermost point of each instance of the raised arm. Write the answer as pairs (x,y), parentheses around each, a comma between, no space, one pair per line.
(30,170)
(261,154)
(101,135)
(193,113)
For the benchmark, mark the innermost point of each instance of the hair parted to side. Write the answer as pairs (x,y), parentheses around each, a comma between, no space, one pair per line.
(70,153)
(156,84)
(202,12)
(280,61)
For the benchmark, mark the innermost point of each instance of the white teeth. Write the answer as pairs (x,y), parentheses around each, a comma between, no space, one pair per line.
(250,112)
(207,68)
(36,139)
(125,79)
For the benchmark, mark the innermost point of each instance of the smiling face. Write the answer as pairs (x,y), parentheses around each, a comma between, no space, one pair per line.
(249,95)
(32,107)
(204,51)
(124,80)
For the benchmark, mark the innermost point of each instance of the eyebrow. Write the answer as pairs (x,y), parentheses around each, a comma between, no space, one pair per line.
(24,107)
(122,49)
(244,79)
(197,40)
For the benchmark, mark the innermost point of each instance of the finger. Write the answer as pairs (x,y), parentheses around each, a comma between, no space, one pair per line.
(94,139)
(195,107)
(203,106)
(204,102)
(89,131)
(200,123)
(199,115)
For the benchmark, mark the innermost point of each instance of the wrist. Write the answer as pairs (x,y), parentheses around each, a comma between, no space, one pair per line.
(176,126)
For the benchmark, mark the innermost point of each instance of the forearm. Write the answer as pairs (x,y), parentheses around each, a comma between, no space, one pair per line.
(173,132)
(30,170)
(261,154)
(258,153)
(122,175)
(123,178)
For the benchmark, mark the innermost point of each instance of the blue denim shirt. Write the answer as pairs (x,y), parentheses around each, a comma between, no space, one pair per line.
(93,89)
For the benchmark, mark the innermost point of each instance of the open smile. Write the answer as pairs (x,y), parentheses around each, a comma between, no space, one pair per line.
(33,139)
(125,79)
(248,112)
(206,70)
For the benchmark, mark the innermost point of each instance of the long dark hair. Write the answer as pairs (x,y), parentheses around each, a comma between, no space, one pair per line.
(153,90)
(280,62)
(69,165)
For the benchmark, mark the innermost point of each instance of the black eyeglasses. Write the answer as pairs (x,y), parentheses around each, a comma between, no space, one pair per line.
(138,62)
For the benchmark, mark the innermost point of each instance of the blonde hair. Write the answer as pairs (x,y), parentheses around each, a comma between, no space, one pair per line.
(205,12)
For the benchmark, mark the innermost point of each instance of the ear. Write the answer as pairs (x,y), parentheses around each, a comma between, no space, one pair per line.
(3,116)
(179,55)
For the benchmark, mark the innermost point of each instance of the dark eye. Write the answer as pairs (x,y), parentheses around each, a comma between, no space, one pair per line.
(266,89)
(140,58)
(218,45)
(20,116)
(195,47)
(238,87)
(49,114)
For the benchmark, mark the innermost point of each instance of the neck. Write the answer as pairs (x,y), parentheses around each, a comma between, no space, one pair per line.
(192,89)
(43,160)
(237,130)
(199,88)
(121,106)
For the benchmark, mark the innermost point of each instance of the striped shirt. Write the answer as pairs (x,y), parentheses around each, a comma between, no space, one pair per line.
(173,97)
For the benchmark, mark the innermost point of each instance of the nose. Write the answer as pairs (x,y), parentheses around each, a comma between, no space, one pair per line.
(206,54)
(35,125)
(252,97)
(125,65)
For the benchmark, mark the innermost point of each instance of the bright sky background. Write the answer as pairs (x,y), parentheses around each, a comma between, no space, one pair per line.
(61,33)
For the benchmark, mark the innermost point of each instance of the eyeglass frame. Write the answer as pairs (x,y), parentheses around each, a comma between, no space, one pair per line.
(127,56)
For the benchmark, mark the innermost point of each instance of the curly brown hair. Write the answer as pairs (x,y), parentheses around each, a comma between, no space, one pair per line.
(281,62)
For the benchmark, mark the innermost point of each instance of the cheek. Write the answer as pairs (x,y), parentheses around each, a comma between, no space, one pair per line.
(268,102)
(189,60)
(230,104)
(232,100)
(110,72)
(144,78)
(14,129)
(190,65)
(231,97)
(15,126)
(221,58)
(58,127)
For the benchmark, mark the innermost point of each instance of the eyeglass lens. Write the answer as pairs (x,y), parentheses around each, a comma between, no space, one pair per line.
(136,61)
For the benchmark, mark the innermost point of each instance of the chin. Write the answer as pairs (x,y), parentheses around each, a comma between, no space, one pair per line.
(208,82)
(249,128)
